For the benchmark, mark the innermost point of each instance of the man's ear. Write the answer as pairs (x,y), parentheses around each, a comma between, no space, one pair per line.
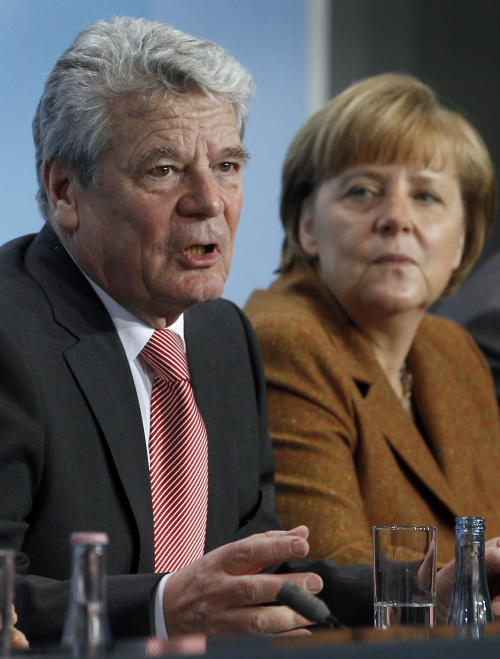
(60,189)
(307,237)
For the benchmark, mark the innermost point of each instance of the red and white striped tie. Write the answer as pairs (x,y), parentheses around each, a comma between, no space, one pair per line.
(178,457)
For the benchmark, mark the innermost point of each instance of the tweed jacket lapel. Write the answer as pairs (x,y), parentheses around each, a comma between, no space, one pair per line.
(394,423)
(438,394)
(400,432)
(95,355)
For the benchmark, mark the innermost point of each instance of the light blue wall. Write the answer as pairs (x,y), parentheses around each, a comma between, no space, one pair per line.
(266,36)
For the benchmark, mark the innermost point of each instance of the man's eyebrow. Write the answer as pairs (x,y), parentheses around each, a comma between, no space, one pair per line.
(235,152)
(152,156)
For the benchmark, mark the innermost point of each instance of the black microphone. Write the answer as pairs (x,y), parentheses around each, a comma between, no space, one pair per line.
(308,605)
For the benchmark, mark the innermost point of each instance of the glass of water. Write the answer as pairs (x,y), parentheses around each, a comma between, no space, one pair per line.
(404,571)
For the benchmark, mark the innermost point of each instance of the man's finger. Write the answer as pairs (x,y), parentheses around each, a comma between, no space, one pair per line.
(256,589)
(260,620)
(250,555)
(301,531)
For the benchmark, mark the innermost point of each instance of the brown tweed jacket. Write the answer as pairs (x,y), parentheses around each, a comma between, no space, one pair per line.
(347,455)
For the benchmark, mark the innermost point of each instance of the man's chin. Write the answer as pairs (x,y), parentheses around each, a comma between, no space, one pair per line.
(198,289)
(208,294)
(177,295)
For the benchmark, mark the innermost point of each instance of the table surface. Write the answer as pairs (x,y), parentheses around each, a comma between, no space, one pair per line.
(361,643)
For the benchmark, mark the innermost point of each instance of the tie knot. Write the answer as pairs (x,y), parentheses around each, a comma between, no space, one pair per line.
(165,354)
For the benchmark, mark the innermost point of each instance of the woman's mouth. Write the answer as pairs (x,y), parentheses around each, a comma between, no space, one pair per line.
(395,259)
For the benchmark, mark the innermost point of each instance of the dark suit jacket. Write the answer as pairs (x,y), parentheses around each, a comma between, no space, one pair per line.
(476,306)
(347,455)
(72,446)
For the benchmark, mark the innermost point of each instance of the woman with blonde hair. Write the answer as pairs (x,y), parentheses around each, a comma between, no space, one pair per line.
(379,412)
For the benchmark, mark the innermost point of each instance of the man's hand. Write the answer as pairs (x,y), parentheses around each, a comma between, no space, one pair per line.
(221,593)
(445,578)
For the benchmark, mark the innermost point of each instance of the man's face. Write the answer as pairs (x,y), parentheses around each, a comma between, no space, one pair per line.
(157,233)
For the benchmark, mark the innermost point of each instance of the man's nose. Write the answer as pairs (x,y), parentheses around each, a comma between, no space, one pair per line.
(201,196)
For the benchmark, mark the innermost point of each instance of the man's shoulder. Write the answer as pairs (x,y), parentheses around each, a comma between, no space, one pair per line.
(13,255)
(19,291)
(221,313)
(220,327)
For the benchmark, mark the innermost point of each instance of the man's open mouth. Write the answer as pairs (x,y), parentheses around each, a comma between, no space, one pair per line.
(200,249)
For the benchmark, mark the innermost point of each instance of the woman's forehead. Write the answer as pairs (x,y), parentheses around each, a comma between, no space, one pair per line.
(425,153)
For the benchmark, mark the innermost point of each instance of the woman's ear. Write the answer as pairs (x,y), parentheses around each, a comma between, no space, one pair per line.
(60,189)
(307,237)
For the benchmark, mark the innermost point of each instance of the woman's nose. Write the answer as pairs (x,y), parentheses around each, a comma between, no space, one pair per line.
(395,214)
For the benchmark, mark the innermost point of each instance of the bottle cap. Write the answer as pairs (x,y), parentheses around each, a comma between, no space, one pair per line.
(89,538)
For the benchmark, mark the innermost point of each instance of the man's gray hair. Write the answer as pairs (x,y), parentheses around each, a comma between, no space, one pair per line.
(108,61)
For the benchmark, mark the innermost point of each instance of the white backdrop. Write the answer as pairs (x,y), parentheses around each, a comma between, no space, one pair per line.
(267,36)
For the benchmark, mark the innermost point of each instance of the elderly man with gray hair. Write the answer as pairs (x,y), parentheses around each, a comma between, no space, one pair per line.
(139,157)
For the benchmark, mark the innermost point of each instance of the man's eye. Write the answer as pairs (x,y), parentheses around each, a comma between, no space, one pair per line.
(226,166)
(161,170)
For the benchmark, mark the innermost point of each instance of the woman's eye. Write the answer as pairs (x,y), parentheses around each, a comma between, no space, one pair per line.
(360,191)
(427,196)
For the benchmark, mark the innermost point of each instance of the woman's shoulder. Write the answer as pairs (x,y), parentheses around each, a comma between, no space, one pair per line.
(274,305)
(447,338)
(291,315)
(280,320)
(293,298)
(300,326)
(442,330)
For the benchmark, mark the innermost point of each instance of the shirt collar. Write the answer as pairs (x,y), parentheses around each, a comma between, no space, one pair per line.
(133,332)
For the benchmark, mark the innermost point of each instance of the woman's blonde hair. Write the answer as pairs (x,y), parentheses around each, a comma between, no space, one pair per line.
(389,118)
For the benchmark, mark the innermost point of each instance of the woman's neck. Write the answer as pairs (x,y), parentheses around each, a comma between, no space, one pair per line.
(391,340)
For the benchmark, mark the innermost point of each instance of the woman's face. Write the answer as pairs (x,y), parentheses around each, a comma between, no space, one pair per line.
(386,237)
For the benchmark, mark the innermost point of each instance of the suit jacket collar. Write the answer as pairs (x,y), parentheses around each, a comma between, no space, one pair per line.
(96,358)
(208,370)
(359,360)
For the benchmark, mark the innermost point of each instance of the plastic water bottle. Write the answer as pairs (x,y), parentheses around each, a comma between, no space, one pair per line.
(470,605)
(86,629)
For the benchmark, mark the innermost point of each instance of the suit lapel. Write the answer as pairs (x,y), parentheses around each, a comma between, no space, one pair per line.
(97,360)
(400,432)
(98,363)
(207,380)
